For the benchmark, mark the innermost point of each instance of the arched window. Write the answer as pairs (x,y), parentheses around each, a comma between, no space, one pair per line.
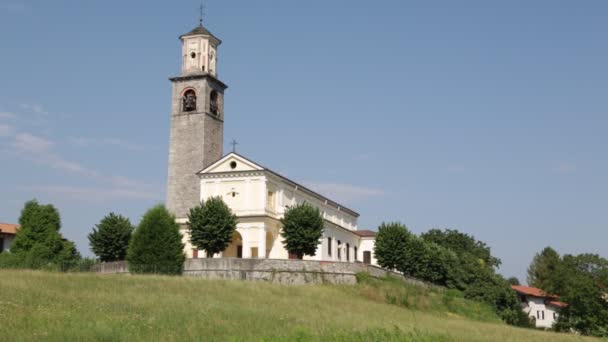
(355,254)
(347,252)
(339,250)
(214,106)
(189,101)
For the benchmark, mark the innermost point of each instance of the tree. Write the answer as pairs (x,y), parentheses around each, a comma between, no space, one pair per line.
(211,225)
(513,281)
(462,243)
(582,282)
(38,242)
(390,246)
(302,230)
(156,245)
(541,272)
(110,238)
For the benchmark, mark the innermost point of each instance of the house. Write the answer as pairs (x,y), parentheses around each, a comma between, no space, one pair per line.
(538,304)
(198,169)
(7,234)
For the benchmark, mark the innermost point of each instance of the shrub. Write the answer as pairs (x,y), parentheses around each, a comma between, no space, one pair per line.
(156,245)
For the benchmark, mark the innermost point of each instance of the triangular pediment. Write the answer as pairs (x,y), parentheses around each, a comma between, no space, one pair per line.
(232,162)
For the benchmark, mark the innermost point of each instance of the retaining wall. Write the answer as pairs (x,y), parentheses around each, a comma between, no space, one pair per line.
(292,272)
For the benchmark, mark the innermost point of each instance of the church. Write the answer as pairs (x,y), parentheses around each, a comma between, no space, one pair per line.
(258,196)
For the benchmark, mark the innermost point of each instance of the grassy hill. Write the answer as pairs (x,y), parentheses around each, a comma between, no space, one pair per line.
(43,306)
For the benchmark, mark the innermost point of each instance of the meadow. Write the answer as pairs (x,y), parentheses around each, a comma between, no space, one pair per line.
(45,306)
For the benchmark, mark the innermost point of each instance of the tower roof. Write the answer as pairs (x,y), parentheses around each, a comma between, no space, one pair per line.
(200,30)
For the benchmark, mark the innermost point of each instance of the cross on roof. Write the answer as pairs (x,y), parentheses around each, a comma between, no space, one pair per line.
(234,143)
(202,13)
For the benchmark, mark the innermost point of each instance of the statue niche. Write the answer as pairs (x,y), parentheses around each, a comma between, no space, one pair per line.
(189,101)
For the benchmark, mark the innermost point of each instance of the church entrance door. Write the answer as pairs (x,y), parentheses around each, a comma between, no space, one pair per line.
(367,257)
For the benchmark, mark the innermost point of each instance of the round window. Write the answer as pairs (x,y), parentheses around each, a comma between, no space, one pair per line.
(193,55)
(233,165)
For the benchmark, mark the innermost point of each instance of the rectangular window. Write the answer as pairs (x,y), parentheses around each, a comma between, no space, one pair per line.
(270,200)
(537,314)
(555,315)
(329,246)
(339,250)
(543,315)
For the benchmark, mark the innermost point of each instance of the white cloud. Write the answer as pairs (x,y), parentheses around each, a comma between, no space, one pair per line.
(7,115)
(94,194)
(344,192)
(6,130)
(34,108)
(29,143)
(117,142)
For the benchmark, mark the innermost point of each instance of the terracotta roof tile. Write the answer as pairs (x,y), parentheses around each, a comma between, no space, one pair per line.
(7,228)
(532,291)
(557,304)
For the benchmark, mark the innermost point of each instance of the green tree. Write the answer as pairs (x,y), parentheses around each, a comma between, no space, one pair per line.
(542,270)
(302,230)
(110,238)
(156,245)
(462,243)
(211,225)
(38,243)
(582,284)
(513,281)
(390,245)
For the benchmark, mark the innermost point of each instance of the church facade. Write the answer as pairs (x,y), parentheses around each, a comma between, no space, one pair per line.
(258,196)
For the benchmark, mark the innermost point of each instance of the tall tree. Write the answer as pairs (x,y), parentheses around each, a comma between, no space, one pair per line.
(39,243)
(110,238)
(156,245)
(462,243)
(302,230)
(390,246)
(211,225)
(582,283)
(542,269)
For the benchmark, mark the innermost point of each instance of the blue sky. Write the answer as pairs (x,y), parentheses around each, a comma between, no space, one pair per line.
(486,117)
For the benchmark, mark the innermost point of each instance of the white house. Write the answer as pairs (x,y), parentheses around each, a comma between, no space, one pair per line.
(541,306)
(259,197)
(7,234)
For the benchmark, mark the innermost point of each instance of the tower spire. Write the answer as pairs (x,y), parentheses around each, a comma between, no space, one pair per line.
(202,13)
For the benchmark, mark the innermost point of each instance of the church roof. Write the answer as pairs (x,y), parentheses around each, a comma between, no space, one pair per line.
(210,169)
(364,233)
(200,30)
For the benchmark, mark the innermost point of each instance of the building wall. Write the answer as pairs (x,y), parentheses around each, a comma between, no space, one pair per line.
(536,307)
(7,242)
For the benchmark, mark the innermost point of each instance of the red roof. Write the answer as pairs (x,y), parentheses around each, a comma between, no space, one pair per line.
(532,291)
(557,304)
(365,233)
(7,228)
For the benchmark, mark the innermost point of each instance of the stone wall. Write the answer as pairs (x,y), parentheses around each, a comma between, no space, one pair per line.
(290,272)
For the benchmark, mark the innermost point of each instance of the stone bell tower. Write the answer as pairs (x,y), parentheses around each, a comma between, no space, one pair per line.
(197,120)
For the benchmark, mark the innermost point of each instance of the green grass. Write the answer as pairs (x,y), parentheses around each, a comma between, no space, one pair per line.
(39,306)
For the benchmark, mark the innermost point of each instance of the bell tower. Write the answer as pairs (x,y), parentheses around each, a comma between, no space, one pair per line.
(197,120)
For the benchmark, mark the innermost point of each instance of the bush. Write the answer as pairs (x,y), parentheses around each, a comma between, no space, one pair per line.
(211,225)
(302,230)
(156,245)
(109,240)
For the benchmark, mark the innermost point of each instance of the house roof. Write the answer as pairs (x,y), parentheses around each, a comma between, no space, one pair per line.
(532,291)
(557,304)
(364,233)
(257,166)
(8,228)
